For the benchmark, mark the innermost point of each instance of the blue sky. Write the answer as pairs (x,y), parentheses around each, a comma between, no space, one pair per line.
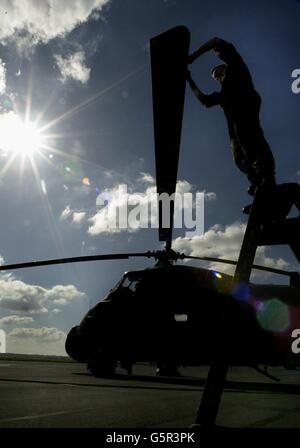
(82,70)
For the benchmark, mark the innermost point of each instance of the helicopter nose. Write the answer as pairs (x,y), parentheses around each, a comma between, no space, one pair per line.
(74,345)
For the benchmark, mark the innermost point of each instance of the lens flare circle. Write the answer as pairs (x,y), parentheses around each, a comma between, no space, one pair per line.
(273,315)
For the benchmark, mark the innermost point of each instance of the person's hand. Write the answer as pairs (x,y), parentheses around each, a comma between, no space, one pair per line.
(188,75)
(191,59)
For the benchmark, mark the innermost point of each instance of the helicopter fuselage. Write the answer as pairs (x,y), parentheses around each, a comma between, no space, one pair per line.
(173,315)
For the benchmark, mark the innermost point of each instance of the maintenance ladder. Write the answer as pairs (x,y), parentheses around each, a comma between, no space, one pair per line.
(265,227)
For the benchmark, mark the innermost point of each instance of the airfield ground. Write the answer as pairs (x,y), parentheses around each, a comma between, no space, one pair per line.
(55,393)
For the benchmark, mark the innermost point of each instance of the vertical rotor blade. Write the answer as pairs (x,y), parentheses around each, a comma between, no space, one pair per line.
(169,53)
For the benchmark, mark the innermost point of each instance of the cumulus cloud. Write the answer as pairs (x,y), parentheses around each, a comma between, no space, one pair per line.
(40,341)
(146,178)
(78,216)
(44,334)
(33,299)
(19,296)
(62,294)
(2,77)
(30,22)
(210,196)
(73,67)
(224,242)
(183,186)
(56,310)
(66,212)
(15,320)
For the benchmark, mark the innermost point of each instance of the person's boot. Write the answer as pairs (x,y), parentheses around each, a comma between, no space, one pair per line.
(246,209)
(251,189)
(268,206)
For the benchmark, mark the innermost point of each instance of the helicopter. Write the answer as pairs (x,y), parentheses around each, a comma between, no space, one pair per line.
(170,314)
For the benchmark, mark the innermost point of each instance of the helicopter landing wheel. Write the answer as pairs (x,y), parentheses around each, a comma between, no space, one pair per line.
(101,365)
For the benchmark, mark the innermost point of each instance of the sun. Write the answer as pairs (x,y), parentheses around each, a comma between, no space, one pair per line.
(18,136)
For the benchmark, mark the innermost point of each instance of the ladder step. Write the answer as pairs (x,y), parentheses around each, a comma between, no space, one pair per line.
(280,232)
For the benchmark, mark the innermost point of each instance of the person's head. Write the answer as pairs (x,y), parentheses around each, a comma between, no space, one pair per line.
(218,72)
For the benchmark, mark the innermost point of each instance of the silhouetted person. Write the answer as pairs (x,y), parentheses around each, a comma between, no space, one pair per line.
(241,105)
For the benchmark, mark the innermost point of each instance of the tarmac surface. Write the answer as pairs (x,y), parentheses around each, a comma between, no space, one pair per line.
(60,394)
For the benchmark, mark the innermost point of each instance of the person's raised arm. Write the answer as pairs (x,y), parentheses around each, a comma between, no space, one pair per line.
(211,44)
(197,92)
(206,100)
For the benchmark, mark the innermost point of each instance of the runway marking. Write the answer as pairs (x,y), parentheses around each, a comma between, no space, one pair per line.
(51,414)
(101,385)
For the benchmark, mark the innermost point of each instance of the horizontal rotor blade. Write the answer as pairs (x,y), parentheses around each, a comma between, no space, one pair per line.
(32,264)
(255,266)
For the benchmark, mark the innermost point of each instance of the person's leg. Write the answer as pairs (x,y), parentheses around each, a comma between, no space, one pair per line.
(260,158)
(241,159)
(256,149)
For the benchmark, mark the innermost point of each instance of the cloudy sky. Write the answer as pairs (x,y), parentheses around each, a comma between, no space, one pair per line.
(76,122)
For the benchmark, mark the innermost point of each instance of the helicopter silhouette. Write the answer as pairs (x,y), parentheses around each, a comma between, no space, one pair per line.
(170,314)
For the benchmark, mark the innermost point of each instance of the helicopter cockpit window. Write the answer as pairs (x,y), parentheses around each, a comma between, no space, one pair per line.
(130,283)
